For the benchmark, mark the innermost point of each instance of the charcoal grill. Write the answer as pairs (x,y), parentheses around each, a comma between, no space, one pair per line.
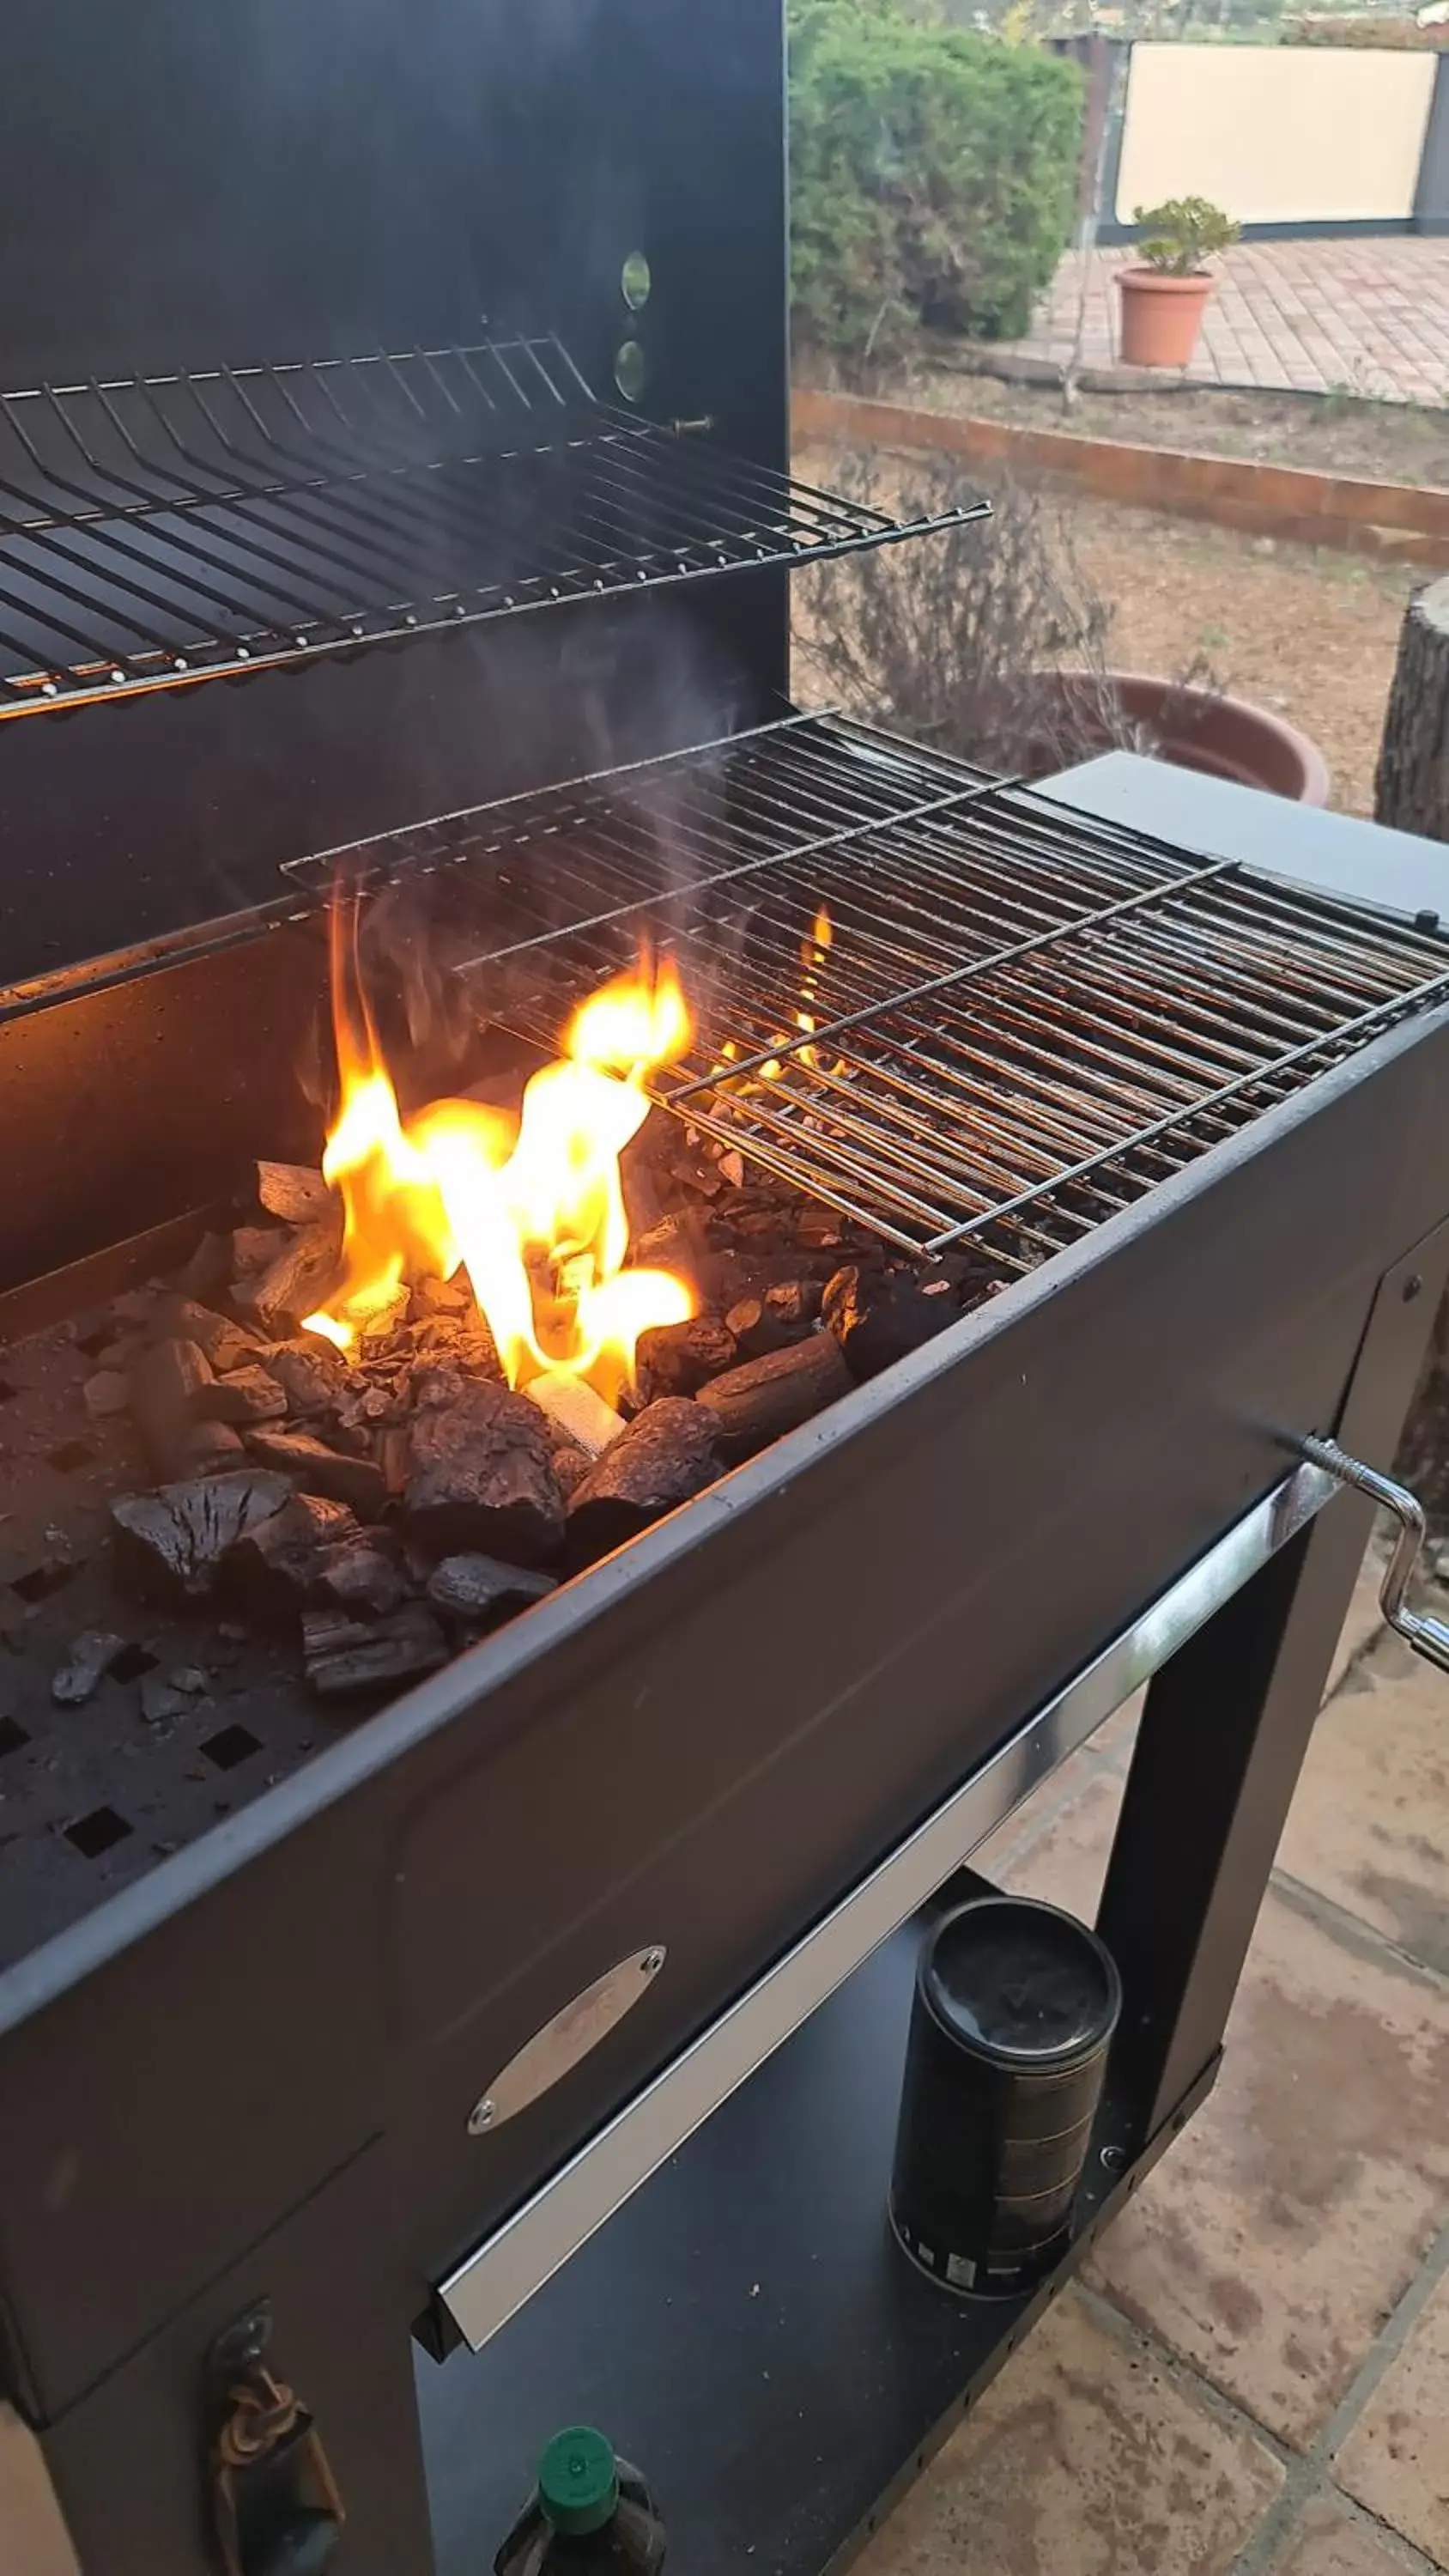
(528,2049)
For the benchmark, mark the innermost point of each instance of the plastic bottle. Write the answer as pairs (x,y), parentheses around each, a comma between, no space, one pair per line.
(590,2515)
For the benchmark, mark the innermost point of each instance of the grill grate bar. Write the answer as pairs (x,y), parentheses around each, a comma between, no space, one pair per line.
(1019,1020)
(160,530)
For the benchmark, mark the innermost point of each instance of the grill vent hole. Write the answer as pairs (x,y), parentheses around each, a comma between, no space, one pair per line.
(42,1580)
(12,1736)
(98,1832)
(71,1453)
(132,1662)
(8,1392)
(232,1745)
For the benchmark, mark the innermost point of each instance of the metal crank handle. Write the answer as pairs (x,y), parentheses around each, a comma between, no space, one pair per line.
(1428,1637)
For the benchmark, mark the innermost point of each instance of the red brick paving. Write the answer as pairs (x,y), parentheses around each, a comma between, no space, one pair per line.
(1366,317)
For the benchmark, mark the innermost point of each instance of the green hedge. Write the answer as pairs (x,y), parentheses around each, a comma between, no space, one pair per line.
(933,176)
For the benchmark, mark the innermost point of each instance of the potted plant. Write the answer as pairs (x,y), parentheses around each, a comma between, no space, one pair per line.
(1164,296)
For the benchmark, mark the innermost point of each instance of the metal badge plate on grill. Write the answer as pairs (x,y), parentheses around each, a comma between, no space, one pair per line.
(570,2035)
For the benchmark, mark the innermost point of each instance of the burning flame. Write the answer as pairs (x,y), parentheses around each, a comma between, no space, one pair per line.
(813,953)
(534,1213)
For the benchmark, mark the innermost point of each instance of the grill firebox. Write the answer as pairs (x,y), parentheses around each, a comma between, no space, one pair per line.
(1025,1022)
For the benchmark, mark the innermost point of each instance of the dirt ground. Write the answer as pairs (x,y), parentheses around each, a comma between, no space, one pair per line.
(1378,441)
(1304,630)
(1308,632)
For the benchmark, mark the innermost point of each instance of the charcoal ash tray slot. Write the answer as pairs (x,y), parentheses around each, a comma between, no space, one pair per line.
(160,530)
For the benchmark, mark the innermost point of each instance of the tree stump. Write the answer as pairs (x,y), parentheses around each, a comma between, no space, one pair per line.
(1411,785)
(1411,791)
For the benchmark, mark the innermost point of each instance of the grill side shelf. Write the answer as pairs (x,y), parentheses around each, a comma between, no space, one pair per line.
(160,531)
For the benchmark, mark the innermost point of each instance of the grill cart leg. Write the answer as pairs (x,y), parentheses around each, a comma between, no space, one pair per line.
(1224,1733)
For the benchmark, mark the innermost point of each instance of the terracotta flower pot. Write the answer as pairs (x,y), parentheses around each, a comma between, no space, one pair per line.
(1191,728)
(1161,316)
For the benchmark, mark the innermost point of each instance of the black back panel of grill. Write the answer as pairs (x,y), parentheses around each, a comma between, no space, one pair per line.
(185,184)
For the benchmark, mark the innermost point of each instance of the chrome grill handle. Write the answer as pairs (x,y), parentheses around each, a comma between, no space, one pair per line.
(1428,1637)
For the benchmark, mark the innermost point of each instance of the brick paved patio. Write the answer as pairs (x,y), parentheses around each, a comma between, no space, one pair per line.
(1367,317)
(1253,2376)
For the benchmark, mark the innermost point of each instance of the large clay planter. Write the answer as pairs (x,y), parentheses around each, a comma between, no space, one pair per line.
(1161,316)
(1195,729)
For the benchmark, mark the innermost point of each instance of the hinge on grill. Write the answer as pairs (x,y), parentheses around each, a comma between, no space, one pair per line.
(276,2508)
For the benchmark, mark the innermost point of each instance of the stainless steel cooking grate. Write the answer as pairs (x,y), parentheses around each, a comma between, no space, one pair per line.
(942,1004)
(160,530)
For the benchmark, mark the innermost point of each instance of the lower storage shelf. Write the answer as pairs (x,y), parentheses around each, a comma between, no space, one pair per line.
(745,2328)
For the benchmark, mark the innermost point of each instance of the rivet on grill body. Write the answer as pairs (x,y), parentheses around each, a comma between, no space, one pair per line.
(480,2117)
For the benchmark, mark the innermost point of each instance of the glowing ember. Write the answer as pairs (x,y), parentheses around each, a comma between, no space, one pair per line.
(534,1214)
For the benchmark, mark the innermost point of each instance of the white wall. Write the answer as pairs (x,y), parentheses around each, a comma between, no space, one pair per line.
(1275,133)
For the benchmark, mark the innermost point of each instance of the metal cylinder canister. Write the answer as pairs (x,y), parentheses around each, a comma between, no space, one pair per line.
(1015,2007)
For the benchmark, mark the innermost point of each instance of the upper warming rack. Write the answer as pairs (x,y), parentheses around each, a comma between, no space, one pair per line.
(161,530)
(947,1006)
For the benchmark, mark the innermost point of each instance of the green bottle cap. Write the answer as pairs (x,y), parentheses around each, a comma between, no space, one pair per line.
(578,2480)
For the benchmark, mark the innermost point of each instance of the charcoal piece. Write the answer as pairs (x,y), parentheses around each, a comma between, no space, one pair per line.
(392,1451)
(668,1453)
(759,1219)
(317,1469)
(344,1656)
(296,1193)
(783,1312)
(442,1296)
(172,1542)
(677,1359)
(138,1307)
(311,1374)
(227,1345)
(274,1567)
(167,1379)
(481,1476)
(463,1341)
(794,1304)
(298,1280)
(253,1247)
(482,1590)
(109,1391)
(89,1660)
(248,1395)
(643,1204)
(206,1272)
(817,1227)
(570,1464)
(357,1412)
(161,1701)
(191,1679)
(361,1576)
(877,1316)
(679,1243)
(440,1383)
(756,1404)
